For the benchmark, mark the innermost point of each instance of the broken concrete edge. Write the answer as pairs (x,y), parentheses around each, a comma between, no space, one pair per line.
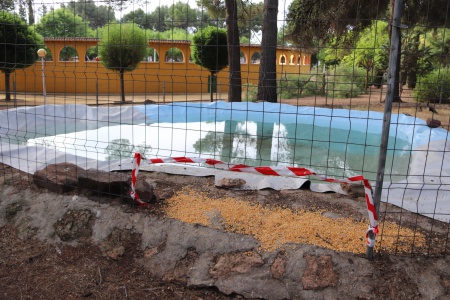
(65,177)
(173,251)
(199,256)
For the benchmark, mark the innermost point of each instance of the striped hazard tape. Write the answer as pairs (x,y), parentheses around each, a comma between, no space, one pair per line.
(271,171)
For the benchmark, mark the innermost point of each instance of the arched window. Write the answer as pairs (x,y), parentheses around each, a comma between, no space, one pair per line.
(174,55)
(299,60)
(68,53)
(291,59)
(92,54)
(243,58)
(152,55)
(282,60)
(256,57)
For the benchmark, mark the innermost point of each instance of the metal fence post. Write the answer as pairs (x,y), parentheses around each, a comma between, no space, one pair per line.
(393,56)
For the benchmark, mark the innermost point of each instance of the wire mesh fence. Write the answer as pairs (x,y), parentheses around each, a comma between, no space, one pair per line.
(213,80)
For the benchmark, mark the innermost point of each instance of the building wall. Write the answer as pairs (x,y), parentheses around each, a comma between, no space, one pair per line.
(80,75)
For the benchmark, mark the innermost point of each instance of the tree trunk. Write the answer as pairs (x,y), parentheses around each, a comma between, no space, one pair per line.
(396,90)
(267,84)
(234,51)
(397,75)
(211,86)
(367,79)
(7,87)
(122,85)
(412,76)
(30,12)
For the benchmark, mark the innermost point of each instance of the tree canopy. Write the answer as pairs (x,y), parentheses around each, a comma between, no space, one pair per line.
(139,17)
(210,50)
(122,47)
(181,15)
(7,5)
(62,22)
(158,17)
(97,16)
(310,21)
(249,14)
(18,46)
(371,50)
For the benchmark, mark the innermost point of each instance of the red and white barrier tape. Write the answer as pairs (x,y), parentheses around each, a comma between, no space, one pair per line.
(134,173)
(273,171)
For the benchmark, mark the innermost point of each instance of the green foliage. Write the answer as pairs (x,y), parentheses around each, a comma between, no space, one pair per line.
(342,82)
(92,53)
(210,49)
(169,35)
(122,47)
(157,18)
(439,41)
(250,15)
(347,74)
(138,17)
(435,85)
(282,39)
(18,43)
(97,16)
(305,85)
(369,52)
(7,5)
(250,93)
(63,22)
(345,82)
(174,55)
(311,22)
(181,15)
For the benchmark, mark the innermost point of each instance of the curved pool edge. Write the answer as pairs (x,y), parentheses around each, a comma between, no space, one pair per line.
(426,190)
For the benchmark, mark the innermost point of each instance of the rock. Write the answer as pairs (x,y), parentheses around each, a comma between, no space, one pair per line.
(433,123)
(164,193)
(121,242)
(180,273)
(445,281)
(241,262)
(216,219)
(145,189)
(354,190)
(231,182)
(278,267)
(148,101)
(59,178)
(75,225)
(319,273)
(104,183)
(12,210)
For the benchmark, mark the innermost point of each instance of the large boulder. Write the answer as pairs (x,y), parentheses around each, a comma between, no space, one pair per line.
(59,178)
(104,183)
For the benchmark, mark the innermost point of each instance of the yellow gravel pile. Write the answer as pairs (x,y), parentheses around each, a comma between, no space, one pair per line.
(276,227)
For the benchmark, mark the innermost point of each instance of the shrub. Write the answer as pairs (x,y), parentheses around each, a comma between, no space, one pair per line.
(345,82)
(435,85)
(300,86)
(250,93)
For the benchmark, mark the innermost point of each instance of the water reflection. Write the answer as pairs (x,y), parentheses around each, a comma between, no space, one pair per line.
(333,152)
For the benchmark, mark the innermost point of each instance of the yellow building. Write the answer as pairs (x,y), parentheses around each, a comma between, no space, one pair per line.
(158,73)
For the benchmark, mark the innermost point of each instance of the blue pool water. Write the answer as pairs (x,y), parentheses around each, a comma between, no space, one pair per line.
(330,151)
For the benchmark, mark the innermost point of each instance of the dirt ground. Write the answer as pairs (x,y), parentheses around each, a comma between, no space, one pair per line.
(33,269)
